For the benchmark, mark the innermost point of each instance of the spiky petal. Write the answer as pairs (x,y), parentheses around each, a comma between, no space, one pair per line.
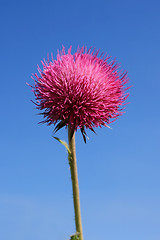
(80,89)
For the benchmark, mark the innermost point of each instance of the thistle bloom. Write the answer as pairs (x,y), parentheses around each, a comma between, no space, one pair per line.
(82,90)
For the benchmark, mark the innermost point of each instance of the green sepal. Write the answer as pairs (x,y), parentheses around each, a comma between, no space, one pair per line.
(60,125)
(84,134)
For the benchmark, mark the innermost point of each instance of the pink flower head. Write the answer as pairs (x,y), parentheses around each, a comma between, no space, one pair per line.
(82,90)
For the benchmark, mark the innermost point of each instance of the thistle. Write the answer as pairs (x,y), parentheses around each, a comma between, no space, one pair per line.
(79,91)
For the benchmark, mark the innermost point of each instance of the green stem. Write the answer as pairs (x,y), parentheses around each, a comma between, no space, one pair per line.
(75,185)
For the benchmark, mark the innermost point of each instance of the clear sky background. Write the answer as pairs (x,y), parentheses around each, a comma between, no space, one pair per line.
(119,169)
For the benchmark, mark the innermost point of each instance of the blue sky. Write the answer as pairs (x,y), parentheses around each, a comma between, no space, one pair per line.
(119,168)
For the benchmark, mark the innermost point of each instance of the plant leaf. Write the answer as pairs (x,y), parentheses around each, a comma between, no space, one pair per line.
(64,144)
(74,236)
